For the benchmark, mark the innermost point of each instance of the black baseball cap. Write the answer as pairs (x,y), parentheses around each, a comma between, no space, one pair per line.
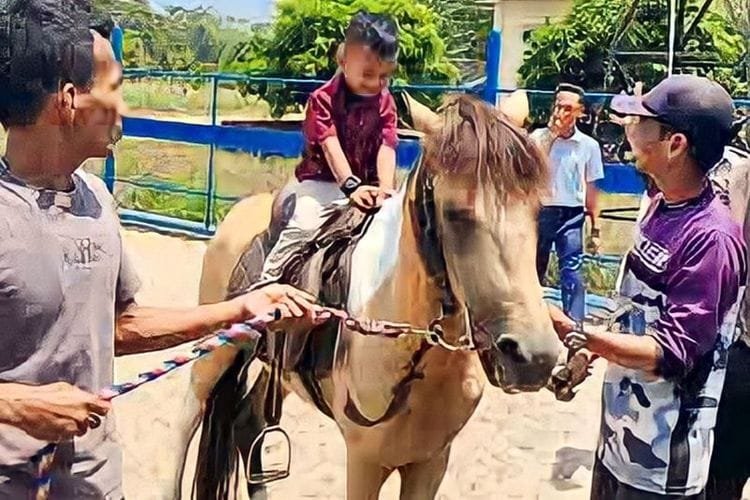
(695,106)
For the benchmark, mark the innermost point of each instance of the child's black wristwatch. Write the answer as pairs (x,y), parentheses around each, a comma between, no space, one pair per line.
(350,185)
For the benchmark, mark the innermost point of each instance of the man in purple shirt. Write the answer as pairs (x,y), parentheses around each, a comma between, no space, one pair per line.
(685,272)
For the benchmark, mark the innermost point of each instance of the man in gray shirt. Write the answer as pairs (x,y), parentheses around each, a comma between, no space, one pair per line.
(67,288)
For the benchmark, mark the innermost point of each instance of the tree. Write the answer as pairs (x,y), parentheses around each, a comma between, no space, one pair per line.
(579,47)
(178,39)
(465,27)
(738,12)
(303,38)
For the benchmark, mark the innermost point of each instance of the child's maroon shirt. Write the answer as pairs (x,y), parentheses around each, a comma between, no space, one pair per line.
(362,124)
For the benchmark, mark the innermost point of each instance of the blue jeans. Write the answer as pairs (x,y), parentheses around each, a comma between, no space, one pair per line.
(563,227)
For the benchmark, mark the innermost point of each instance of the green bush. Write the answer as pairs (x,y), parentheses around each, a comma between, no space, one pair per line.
(598,277)
(305,34)
(578,48)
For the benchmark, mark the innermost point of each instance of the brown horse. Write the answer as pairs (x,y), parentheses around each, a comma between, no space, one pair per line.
(463,227)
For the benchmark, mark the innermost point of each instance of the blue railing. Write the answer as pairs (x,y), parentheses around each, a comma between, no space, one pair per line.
(265,142)
(257,141)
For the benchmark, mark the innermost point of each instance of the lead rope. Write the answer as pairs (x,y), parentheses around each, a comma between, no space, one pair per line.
(241,333)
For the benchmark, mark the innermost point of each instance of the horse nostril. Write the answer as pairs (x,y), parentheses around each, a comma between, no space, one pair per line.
(510,348)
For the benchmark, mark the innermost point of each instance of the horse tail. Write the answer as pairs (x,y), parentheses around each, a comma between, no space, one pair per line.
(217,468)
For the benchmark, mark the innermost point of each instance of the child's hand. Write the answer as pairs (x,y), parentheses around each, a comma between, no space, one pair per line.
(365,197)
(384,194)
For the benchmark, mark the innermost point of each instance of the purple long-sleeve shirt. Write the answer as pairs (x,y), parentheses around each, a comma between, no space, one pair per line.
(689,262)
(686,271)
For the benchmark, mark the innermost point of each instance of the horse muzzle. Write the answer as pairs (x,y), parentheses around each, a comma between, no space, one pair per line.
(507,367)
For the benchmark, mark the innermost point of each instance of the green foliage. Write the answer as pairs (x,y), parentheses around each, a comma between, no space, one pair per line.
(180,39)
(305,34)
(465,27)
(190,208)
(599,279)
(582,37)
(300,42)
(578,47)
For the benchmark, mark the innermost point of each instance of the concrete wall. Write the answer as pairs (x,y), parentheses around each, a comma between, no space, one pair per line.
(514,17)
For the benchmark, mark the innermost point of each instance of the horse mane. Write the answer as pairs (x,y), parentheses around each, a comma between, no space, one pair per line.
(475,138)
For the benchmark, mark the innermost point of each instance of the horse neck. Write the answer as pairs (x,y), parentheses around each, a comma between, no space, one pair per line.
(408,294)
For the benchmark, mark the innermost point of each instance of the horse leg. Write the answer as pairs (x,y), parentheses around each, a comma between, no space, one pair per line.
(196,388)
(187,426)
(363,478)
(421,481)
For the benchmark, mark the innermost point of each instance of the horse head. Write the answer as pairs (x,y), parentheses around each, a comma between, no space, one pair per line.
(477,197)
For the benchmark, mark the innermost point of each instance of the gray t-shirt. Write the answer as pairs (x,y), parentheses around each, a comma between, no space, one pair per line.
(63,274)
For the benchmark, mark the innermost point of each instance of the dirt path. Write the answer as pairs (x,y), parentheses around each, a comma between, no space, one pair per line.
(507,451)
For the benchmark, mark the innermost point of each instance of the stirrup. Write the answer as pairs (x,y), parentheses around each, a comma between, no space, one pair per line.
(274,448)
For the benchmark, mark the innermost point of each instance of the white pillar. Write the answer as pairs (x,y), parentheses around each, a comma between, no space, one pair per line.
(497,24)
(672,35)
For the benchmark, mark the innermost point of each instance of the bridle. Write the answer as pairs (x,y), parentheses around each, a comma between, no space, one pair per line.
(430,246)
(429,241)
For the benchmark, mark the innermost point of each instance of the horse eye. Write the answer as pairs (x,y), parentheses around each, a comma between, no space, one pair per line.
(460,215)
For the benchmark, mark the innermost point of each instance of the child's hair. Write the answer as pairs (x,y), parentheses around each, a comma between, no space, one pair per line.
(377,32)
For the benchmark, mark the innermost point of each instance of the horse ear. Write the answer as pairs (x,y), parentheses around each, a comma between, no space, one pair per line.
(516,107)
(425,119)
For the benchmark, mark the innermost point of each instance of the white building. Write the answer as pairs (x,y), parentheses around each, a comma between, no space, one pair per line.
(516,18)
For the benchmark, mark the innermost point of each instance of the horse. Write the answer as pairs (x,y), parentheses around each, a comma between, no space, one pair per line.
(456,246)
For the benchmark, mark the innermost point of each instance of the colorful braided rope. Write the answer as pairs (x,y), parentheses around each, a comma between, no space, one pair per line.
(240,333)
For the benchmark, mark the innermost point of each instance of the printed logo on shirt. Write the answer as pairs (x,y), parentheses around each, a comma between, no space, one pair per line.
(82,252)
(654,256)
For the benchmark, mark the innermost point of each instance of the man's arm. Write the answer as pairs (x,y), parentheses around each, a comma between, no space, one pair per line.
(544,139)
(592,207)
(699,294)
(144,329)
(51,412)
(629,351)
(594,172)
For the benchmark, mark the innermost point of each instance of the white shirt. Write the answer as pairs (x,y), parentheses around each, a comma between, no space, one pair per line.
(574,162)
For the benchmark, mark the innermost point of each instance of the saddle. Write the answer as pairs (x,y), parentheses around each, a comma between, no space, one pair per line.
(322,267)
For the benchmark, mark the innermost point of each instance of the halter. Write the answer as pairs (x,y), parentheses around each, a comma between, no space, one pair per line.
(429,242)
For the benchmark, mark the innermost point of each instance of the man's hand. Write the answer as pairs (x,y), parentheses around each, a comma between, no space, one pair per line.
(560,123)
(53,412)
(594,244)
(366,198)
(284,301)
(562,324)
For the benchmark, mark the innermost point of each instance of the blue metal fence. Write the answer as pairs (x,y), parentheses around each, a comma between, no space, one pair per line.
(265,142)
